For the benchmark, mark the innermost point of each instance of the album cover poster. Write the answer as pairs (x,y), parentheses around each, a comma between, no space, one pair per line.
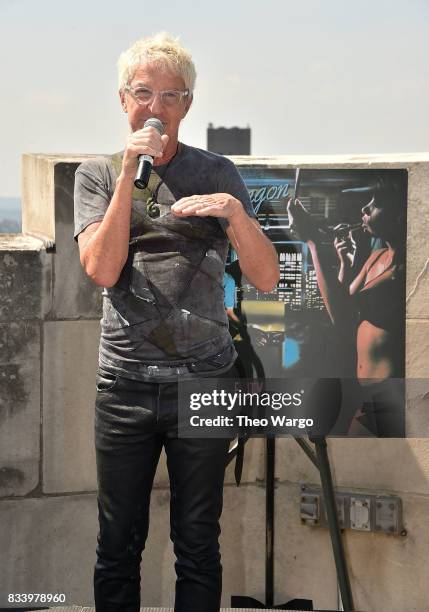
(339,308)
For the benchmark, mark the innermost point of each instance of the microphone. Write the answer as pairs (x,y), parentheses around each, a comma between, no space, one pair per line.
(146,161)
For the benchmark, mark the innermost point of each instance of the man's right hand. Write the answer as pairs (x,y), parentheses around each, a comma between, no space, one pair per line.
(147,141)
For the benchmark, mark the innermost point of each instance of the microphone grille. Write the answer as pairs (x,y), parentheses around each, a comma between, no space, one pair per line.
(155,123)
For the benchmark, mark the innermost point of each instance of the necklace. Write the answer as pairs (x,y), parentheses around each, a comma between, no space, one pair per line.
(152,205)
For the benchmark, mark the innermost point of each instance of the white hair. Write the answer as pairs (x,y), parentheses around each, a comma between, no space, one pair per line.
(160,48)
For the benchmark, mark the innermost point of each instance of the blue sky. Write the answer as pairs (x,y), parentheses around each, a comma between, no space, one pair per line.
(308,76)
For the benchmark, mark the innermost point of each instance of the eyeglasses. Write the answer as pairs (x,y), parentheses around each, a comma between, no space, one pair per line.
(169,97)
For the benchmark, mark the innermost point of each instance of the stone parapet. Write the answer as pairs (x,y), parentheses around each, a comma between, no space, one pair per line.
(49,328)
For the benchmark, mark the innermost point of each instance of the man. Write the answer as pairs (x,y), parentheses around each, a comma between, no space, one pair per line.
(160,256)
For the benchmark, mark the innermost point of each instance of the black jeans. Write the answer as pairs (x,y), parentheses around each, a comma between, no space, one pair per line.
(133,421)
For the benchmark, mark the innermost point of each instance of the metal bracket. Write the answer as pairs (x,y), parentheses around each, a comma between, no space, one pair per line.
(357,511)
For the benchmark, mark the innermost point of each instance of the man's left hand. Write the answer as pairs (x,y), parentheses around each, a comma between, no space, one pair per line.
(211,205)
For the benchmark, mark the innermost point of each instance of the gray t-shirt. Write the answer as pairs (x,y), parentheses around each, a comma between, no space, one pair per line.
(172,281)
(192,172)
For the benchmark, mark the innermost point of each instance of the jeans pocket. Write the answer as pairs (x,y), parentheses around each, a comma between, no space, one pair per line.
(105,381)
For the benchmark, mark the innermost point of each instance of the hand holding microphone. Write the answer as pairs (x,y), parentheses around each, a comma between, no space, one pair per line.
(146,161)
(142,147)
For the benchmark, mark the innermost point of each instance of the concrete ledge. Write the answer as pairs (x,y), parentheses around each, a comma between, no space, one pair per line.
(38,186)
(74,294)
(25,278)
(377,460)
(50,540)
(19,407)
(49,544)
(20,242)
(417,347)
(70,356)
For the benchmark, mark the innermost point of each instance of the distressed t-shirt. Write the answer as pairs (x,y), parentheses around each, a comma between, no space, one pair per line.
(162,290)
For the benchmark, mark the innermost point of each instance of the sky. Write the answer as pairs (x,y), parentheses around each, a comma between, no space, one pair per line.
(308,76)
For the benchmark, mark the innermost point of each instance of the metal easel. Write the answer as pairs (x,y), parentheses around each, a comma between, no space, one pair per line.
(319,457)
(327,398)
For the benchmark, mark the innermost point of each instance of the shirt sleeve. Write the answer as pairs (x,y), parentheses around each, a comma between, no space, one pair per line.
(91,195)
(230,181)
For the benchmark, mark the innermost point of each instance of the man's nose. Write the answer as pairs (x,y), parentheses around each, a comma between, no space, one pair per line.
(155,104)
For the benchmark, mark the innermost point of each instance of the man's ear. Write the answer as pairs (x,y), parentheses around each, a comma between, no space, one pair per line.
(123,100)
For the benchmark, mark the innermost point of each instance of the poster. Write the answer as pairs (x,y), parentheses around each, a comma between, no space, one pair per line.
(355,329)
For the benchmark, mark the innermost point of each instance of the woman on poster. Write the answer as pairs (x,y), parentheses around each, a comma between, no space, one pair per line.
(370,305)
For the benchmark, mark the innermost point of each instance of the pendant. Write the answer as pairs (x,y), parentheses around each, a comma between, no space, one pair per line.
(152,208)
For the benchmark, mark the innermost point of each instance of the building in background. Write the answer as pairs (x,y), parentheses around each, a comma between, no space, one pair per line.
(228,141)
(10,215)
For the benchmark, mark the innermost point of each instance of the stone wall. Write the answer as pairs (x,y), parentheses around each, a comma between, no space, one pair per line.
(49,328)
